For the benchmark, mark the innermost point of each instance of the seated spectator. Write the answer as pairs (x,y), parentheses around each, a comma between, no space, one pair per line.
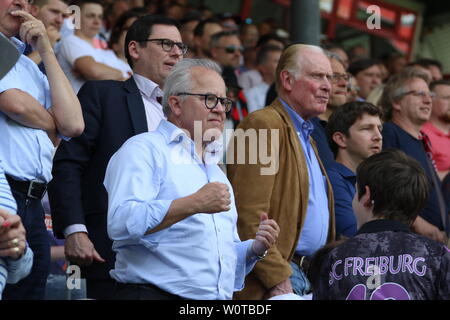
(267,61)
(385,260)
(354,131)
(367,74)
(78,57)
(438,128)
(16,259)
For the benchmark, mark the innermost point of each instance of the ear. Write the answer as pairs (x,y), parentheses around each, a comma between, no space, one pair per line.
(396,105)
(366,198)
(133,50)
(213,52)
(175,105)
(34,10)
(286,80)
(340,139)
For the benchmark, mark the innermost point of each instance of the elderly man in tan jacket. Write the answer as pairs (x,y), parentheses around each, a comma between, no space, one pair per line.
(292,187)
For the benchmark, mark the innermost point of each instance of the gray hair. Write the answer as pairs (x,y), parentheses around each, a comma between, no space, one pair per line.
(292,60)
(180,78)
(331,55)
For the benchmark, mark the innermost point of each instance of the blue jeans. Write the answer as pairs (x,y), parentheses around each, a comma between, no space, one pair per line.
(299,281)
(56,289)
(32,287)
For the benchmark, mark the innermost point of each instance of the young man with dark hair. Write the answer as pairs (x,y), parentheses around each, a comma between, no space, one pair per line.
(354,132)
(386,260)
(202,36)
(367,74)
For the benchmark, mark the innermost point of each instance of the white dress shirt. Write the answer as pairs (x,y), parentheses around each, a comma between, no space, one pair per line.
(199,257)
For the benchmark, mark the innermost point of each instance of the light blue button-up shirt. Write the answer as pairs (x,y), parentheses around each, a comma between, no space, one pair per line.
(200,257)
(11,271)
(315,228)
(26,152)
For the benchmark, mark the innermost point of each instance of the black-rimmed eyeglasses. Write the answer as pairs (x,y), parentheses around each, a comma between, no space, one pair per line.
(167,44)
(211,100)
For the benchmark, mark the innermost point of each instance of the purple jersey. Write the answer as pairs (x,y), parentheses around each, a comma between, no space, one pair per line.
(385,261)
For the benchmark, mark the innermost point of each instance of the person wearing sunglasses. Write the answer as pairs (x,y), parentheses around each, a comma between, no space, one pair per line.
(171,210)
(226,49)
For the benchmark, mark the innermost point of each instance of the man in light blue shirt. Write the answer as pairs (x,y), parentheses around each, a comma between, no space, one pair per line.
(171,211)
(34,109)
(16,259)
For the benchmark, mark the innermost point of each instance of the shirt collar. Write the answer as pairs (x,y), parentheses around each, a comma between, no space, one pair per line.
(212,153)
(430,126)
(19,44)
(342,170)
(147,87)
(383,225)
(306,127)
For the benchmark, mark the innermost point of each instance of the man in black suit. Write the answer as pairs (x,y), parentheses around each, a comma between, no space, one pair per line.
(113,111)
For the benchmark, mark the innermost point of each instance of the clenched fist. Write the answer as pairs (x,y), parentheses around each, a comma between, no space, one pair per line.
(213,197)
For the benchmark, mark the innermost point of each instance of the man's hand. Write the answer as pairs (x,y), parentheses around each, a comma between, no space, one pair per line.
(284,287)
(33,31)
(266,236)
(79,249)
(212,198)
(53,35)
(12,235)
(426,229)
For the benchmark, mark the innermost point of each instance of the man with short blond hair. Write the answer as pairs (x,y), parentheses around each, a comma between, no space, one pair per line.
(297,194)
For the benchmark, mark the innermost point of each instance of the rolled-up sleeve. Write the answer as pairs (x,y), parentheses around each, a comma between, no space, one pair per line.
(20,268)
(132,180)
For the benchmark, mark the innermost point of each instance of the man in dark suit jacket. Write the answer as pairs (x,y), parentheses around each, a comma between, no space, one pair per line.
(113,111)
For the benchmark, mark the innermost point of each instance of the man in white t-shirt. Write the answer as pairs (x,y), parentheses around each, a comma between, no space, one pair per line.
(78,56)
(267,61)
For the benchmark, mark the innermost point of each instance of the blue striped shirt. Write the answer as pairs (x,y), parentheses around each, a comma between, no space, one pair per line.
(11,271)
(26,152)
